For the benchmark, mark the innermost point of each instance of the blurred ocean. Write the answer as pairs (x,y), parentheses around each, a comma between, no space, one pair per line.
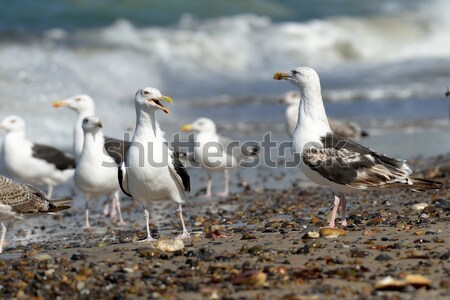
(385,64)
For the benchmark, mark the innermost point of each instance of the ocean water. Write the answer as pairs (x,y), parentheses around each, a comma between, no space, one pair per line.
(385,64)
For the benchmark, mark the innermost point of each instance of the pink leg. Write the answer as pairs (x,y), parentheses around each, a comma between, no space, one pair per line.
(343,210)
(121,222)
(106,208)
(185,235)
(208,187)
(334,212)
(2,240)
(226,192)
(149,236)
(113,200)
(88,224)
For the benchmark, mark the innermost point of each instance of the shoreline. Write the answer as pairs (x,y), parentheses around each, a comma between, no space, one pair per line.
(252,245)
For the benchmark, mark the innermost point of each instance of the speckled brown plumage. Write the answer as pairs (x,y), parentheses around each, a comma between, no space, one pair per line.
(23,198)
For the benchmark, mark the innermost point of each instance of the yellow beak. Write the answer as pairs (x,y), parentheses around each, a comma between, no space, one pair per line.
(187,127)
(165,98)
(158,103)
(281,76)
(59,103)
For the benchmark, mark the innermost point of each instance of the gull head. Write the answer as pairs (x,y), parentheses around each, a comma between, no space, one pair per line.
(79,103)
(150,99)
(302,77)
(290,98)
(13,123)
(203,125)
(92,124)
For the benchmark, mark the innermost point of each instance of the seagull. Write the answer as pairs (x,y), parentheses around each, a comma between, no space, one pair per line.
(84,106)
(346,129)
(151,171)
(96,172)
(34,163)
(216,153)
(23,199)
(331,160)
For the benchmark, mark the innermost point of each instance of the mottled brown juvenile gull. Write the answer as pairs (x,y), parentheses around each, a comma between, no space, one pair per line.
(291,99)
(34,163)
(17,200)
(331,160)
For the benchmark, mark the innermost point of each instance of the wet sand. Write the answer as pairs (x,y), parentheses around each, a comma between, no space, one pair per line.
(258,244)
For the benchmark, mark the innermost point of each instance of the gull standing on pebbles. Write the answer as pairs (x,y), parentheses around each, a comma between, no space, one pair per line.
(84,106)
(34,163)
(151,171)
(346,129)
(96,172)
(331,160)
(216,153)
(23,199)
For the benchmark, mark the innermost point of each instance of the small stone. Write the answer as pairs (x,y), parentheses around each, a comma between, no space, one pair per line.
(248,236)
(303,250)
(331,232)
(418,281)
(419,206)
(389,283)
(441,203)
(256,250)
(445,256)
(315,220)
(438,240)
(429,210)
(445,284)
(374,221)
(77,256)
(100,244)
(42,257)
(420,232)
(383,257)
(170,245)
(254,278)
(127,237)
(149,253)
(355,252)
(313,234)
(244,249)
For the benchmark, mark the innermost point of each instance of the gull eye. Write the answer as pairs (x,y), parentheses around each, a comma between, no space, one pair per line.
(78,99)
(13,121)
(146,92)
(295,72)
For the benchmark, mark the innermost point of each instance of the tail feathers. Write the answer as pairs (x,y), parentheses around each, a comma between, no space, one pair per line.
(59,204)
(420,184)
(415,184)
